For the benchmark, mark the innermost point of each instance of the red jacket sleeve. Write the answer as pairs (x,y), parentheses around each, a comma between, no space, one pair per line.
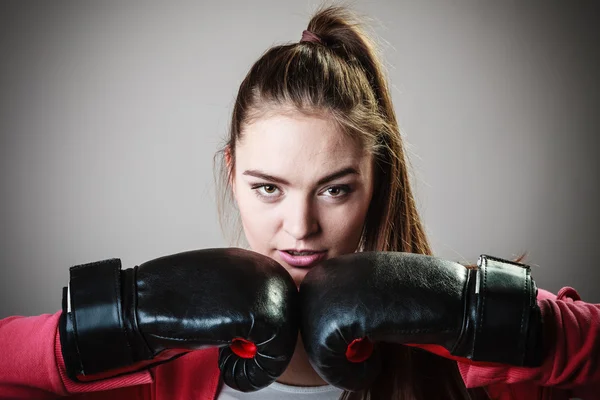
(31,365)
(572,340)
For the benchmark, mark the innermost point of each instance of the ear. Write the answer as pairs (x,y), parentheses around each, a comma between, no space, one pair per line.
(227,153)
(229,166)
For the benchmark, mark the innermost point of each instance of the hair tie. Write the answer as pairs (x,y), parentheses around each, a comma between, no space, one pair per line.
(308,36)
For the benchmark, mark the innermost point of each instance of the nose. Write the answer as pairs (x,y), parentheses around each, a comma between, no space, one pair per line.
(301,219)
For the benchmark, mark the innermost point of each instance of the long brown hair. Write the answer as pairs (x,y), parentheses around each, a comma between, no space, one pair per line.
(343,78)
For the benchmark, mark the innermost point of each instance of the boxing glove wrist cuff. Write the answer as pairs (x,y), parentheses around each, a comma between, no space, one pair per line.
(92,327)
(503,320)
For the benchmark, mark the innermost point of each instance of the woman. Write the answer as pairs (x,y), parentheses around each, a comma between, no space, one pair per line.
(316,166)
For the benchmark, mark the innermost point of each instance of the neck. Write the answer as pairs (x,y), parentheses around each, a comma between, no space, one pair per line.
(299,372)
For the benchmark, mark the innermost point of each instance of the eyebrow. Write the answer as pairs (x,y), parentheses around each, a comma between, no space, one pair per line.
(343,172)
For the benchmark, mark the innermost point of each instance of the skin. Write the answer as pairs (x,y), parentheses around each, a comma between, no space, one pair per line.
(292,209)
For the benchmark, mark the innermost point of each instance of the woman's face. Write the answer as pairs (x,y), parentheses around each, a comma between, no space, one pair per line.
(303,189)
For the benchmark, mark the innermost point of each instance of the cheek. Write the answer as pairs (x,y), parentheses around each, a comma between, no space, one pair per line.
(343,226)
(258,223)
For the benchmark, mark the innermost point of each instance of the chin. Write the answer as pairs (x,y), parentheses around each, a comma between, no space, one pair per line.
(297,274)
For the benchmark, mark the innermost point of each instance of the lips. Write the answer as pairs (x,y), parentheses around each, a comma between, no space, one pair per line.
(302,259)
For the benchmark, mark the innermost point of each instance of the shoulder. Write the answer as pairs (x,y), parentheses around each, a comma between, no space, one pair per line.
(566,293)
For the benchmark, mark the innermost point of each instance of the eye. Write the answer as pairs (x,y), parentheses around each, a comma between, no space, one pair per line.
(265,190)
(269,189)
(338,191)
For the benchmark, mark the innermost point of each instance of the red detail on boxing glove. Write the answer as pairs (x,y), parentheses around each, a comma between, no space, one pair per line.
(359,350)
(243,348)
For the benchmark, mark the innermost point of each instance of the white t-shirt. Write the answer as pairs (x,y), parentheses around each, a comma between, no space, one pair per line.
(276,391)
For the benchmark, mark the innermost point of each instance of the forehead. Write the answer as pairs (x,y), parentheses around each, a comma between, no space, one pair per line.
(297,145)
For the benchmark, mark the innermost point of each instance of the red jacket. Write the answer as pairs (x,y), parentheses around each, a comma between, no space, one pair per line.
(31,364)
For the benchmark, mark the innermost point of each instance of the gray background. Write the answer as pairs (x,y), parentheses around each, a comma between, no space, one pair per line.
(110,113)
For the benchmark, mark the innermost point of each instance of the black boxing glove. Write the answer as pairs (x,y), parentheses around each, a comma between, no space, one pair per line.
(119,321)
(351,302)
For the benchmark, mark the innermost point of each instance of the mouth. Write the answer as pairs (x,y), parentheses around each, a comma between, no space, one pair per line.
(302,258)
